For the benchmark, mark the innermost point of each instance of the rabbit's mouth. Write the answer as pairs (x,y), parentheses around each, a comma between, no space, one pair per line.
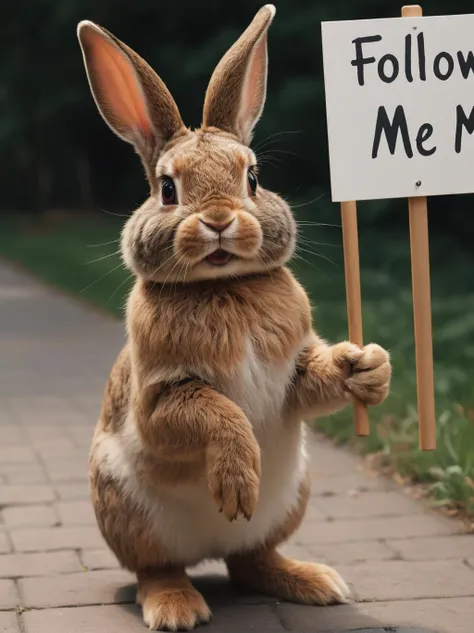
(219,258)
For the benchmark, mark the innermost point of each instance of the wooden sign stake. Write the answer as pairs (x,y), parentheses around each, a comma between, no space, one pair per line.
(354,307)
(420,264)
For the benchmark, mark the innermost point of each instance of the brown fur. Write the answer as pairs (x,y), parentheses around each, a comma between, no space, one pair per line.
(336,373)
(112,63)
(185,607)
(267,571)
(123,525)
(163,246)
(168,424)
(247,57)
(271,573)
(214,318)
(117,394)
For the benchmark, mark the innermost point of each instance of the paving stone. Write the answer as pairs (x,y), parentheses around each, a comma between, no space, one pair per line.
(57,538)
(29,516)
(64,471)
(58,447)
(14,469)
(323,462)
(108,619)
(238,617)
(40,564)
(45,418)
(350,553)
(91,404)
(17,455)
(73,491)
(9,623)
(348,484)
(434,548)
(26,476)
(50,407)
(81,418)
(10,435)
(368,505)
(403,580)
(76,512)
(46,432)
(340,553)
(448,615)
(8,595)
(114,619)
(339,619)
(99,559)
(298,552)
(25,495)
(97,619)
(53,425)
(81,434)
(336,618)
(4,544)
(84,444)
(93,587)
(347,531)
(19,474)
(315,514)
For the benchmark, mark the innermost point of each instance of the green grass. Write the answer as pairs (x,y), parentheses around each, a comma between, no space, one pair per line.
(79,255)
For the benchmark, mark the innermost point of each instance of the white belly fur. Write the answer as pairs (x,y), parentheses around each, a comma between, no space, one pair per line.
(188,524)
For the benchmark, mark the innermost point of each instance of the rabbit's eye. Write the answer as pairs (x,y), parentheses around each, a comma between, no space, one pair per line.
(168,191)
(252,182)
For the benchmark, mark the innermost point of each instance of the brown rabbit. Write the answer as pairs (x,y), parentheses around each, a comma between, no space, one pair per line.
(199,452)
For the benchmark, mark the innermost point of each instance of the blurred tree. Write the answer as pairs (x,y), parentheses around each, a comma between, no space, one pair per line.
(55,151)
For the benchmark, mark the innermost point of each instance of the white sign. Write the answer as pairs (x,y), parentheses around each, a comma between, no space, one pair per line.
(400,106)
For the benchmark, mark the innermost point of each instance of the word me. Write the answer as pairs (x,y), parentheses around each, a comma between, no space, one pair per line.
(388,69)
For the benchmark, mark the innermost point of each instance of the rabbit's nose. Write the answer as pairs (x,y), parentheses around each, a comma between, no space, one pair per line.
(217,225)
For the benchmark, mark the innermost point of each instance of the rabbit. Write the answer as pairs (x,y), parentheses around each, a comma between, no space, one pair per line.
(199,451)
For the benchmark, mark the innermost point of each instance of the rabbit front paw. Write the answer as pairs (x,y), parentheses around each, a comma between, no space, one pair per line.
(370,375)
(234,477)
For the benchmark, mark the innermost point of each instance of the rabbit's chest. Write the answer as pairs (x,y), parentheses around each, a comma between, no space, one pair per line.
(260,386)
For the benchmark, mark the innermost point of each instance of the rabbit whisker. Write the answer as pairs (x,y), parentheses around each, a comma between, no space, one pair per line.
(117,215)
(126,280)
(169,274)
(103,243)
(310,242)
(99,259)
(305,223)
(109,272)
(272,136)
(158,269)
(177,280)
(305,204)
(316,254)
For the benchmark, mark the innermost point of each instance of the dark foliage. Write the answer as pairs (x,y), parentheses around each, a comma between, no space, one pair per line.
(55,151)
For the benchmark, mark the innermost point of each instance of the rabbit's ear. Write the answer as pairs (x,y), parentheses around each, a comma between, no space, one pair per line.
(130,96)
(237,89)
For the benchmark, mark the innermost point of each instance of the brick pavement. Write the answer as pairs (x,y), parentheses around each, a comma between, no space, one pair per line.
(405,565)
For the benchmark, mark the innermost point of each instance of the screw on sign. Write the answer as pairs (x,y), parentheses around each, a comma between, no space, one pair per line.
(407,133)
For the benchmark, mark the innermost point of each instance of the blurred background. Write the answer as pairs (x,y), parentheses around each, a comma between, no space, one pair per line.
(68,184)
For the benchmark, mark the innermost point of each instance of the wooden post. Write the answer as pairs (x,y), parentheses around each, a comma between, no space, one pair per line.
(420,266)
(354,307)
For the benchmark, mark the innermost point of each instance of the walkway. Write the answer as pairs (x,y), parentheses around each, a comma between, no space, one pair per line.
(406,566)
